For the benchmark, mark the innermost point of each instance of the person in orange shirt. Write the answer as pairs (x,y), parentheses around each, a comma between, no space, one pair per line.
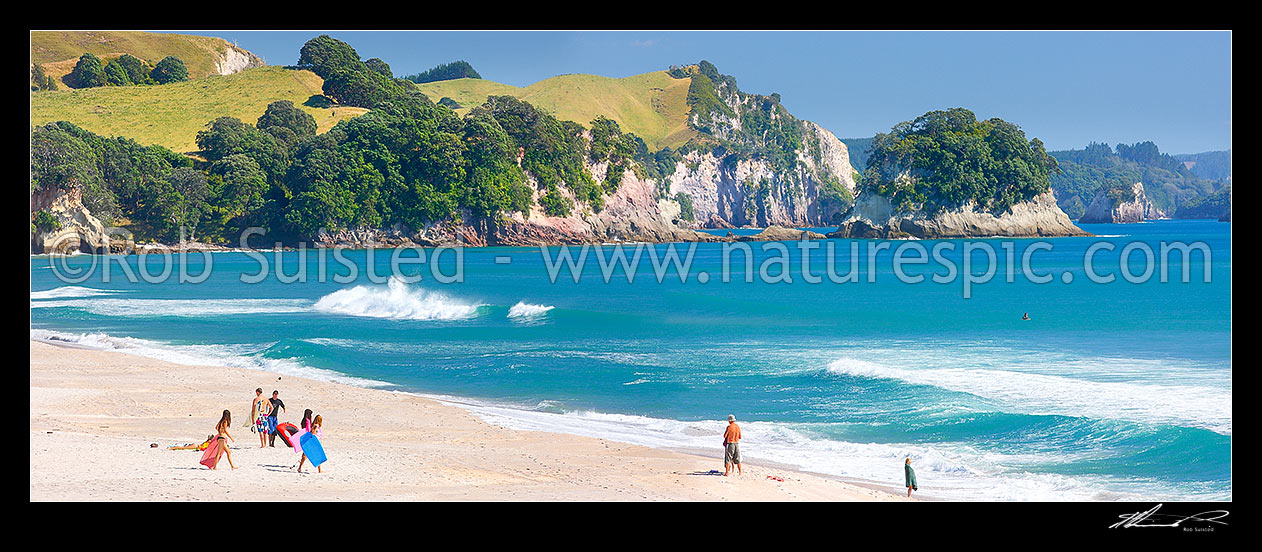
(731,446)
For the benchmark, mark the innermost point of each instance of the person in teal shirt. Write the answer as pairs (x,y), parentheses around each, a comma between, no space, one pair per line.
(909,477)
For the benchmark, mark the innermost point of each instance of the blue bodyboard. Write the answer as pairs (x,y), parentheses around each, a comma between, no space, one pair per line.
(311,447)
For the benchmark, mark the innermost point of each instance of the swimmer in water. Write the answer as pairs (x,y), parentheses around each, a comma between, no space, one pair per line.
(1025,316)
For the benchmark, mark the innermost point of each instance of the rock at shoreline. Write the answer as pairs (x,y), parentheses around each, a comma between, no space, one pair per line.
(78,230)
(1117,207)
(874,217)
(780,233)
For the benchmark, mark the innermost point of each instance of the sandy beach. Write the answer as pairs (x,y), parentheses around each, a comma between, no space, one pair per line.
(95,413)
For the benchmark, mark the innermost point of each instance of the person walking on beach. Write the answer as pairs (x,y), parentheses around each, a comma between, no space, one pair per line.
(261,409)
(223,436)
(254,406)
(314,429)
(909,477)
(731,446)
(303,427)
(272,422)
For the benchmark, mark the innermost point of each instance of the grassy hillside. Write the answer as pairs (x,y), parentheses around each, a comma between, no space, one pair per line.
(652,105)
(58,51)
(171,114)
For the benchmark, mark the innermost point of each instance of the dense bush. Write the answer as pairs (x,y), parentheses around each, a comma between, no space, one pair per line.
(115,75)
(136,69)
(1210,165)
(1099,168)
(170,69)
(685,206)
(116,176)
(348,80)
(947,158)
(380,67)
(126,70)
(447,71)
(45,222)
(89,72)
(283,113)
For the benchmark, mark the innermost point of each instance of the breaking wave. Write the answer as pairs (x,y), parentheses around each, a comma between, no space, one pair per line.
(396,301)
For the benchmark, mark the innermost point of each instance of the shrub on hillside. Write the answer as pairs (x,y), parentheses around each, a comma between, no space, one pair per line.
(115,75)
(170,69)
(89,72)
(137,70)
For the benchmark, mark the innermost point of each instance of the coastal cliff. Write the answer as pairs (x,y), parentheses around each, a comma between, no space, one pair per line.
(875,217)
(69,227)
(633,213)
(734,192)
(234,60)
(1119,206)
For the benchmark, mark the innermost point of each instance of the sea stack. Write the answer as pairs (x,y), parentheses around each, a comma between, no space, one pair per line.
(1120,206)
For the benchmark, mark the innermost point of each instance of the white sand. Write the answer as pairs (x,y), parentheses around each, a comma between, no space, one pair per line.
(95,413)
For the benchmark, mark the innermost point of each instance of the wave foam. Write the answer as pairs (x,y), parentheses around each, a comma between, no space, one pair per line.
(1186,405)
(237,356)
(74,291)
(395,302)
(528,310)
(179,307)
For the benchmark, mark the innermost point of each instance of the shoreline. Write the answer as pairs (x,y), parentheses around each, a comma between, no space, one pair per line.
(95,412)
(705,235)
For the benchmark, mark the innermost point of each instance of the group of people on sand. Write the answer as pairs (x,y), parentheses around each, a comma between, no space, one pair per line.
(264,421)
(732,455)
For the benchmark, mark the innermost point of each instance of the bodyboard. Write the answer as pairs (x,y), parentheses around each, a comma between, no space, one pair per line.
(285,430)
(311,447)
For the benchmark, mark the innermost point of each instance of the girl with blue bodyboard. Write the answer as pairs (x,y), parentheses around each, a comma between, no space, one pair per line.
(309,443)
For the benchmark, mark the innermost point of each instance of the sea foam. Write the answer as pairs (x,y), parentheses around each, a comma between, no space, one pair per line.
(246,355)
(1185,405)
(74,291)
(396,301)
(528,310)
(186,308)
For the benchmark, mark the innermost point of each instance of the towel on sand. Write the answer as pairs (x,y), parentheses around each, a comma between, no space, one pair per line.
(212,452)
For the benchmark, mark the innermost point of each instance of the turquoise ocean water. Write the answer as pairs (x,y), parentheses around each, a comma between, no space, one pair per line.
(1110,392)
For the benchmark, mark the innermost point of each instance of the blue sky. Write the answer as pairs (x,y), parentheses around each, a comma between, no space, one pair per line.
(1066,88)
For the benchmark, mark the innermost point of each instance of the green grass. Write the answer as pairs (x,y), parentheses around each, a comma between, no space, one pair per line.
(652,105)
(171,114)
(58,51)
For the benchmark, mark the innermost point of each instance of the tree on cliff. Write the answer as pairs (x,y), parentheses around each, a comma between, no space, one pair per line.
(945,159)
